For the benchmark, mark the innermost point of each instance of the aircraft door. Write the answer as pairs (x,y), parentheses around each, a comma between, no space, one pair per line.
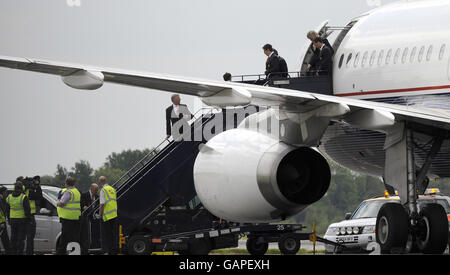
(306,52)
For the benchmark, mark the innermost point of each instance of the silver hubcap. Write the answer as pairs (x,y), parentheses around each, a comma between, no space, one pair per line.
(383,230)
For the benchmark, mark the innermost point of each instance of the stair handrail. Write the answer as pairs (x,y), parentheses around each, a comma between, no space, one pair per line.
(154,152)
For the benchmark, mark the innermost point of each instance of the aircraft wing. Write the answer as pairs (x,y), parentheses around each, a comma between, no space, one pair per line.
(359,113)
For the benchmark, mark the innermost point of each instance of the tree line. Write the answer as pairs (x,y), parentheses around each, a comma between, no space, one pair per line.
(116,165)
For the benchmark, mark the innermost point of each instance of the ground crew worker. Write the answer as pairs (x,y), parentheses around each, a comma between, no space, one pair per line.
(19,216)
(34,193)
(3,230)
(108,214)
(69,212)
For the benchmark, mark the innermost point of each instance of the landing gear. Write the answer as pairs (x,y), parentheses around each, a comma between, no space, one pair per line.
(392,227)
(432,227)
(402,228)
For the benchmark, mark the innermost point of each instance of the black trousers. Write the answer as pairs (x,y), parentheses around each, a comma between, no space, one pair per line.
(70,232)
(110,236)
(18,234)
(31,233)
(85,235)
(5,239)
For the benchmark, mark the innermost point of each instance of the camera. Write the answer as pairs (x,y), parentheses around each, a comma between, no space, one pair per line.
(28,182)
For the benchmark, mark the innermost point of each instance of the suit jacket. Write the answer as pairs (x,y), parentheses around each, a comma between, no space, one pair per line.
(325,63)
(316,57)
(272,65)
(86,200)
(171,117)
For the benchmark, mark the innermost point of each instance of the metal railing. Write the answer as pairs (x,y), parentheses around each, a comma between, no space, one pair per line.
(262,79)
(147,158)
(118,184)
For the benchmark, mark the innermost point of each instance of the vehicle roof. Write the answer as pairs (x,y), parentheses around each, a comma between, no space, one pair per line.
(398,198)
(49,187)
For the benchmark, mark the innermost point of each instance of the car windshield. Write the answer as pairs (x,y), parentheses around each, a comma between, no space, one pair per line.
(369,209)
(443,202)
(52,193)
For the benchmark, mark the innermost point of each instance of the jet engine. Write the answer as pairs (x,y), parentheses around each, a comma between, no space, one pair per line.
(244,176)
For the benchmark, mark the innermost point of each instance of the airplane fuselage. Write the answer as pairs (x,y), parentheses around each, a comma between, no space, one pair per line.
(400,54)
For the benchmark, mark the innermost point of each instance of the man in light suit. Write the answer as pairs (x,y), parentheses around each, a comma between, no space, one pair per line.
(175,113)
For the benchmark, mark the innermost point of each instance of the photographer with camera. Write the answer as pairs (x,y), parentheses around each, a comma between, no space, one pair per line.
(34,193)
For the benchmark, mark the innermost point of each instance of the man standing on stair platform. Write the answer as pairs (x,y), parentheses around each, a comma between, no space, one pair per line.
(177,115)
(108,214)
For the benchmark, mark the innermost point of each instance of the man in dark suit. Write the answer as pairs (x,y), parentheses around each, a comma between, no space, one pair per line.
(176,113)
(325,62)
(275,65)
(312,35)
(89,225)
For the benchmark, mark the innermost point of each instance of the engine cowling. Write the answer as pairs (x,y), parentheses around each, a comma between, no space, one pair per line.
(244,176)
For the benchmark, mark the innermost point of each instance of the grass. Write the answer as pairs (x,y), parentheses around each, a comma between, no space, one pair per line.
(239,251)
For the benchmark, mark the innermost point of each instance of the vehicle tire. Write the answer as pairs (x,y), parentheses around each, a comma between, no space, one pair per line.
(392,227)
(256,247)
(139,245)
(433,229)
(289,244)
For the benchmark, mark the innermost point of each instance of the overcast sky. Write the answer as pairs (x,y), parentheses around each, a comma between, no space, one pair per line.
(45,123)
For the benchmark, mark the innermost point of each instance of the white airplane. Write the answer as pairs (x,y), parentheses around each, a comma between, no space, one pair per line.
(388,116)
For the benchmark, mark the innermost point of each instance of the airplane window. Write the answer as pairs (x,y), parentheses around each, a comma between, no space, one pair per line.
(355,64)
(349,57)
(372,57)
(413,54)
(388,56)
(341,60)
(422,50)
(405,54)
(441,52)
(380,57)
(364,59)
(429,52)
(396,56)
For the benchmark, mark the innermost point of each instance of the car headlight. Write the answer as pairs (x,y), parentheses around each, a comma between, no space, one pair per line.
(349,230)
(336,231)
(342,231)
(355,230)
(331,231)
(368,229)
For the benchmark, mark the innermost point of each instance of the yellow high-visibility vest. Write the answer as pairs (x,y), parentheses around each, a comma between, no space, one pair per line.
(32,202)
(2,216)
(110,208)
(16,210)
(72,209)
